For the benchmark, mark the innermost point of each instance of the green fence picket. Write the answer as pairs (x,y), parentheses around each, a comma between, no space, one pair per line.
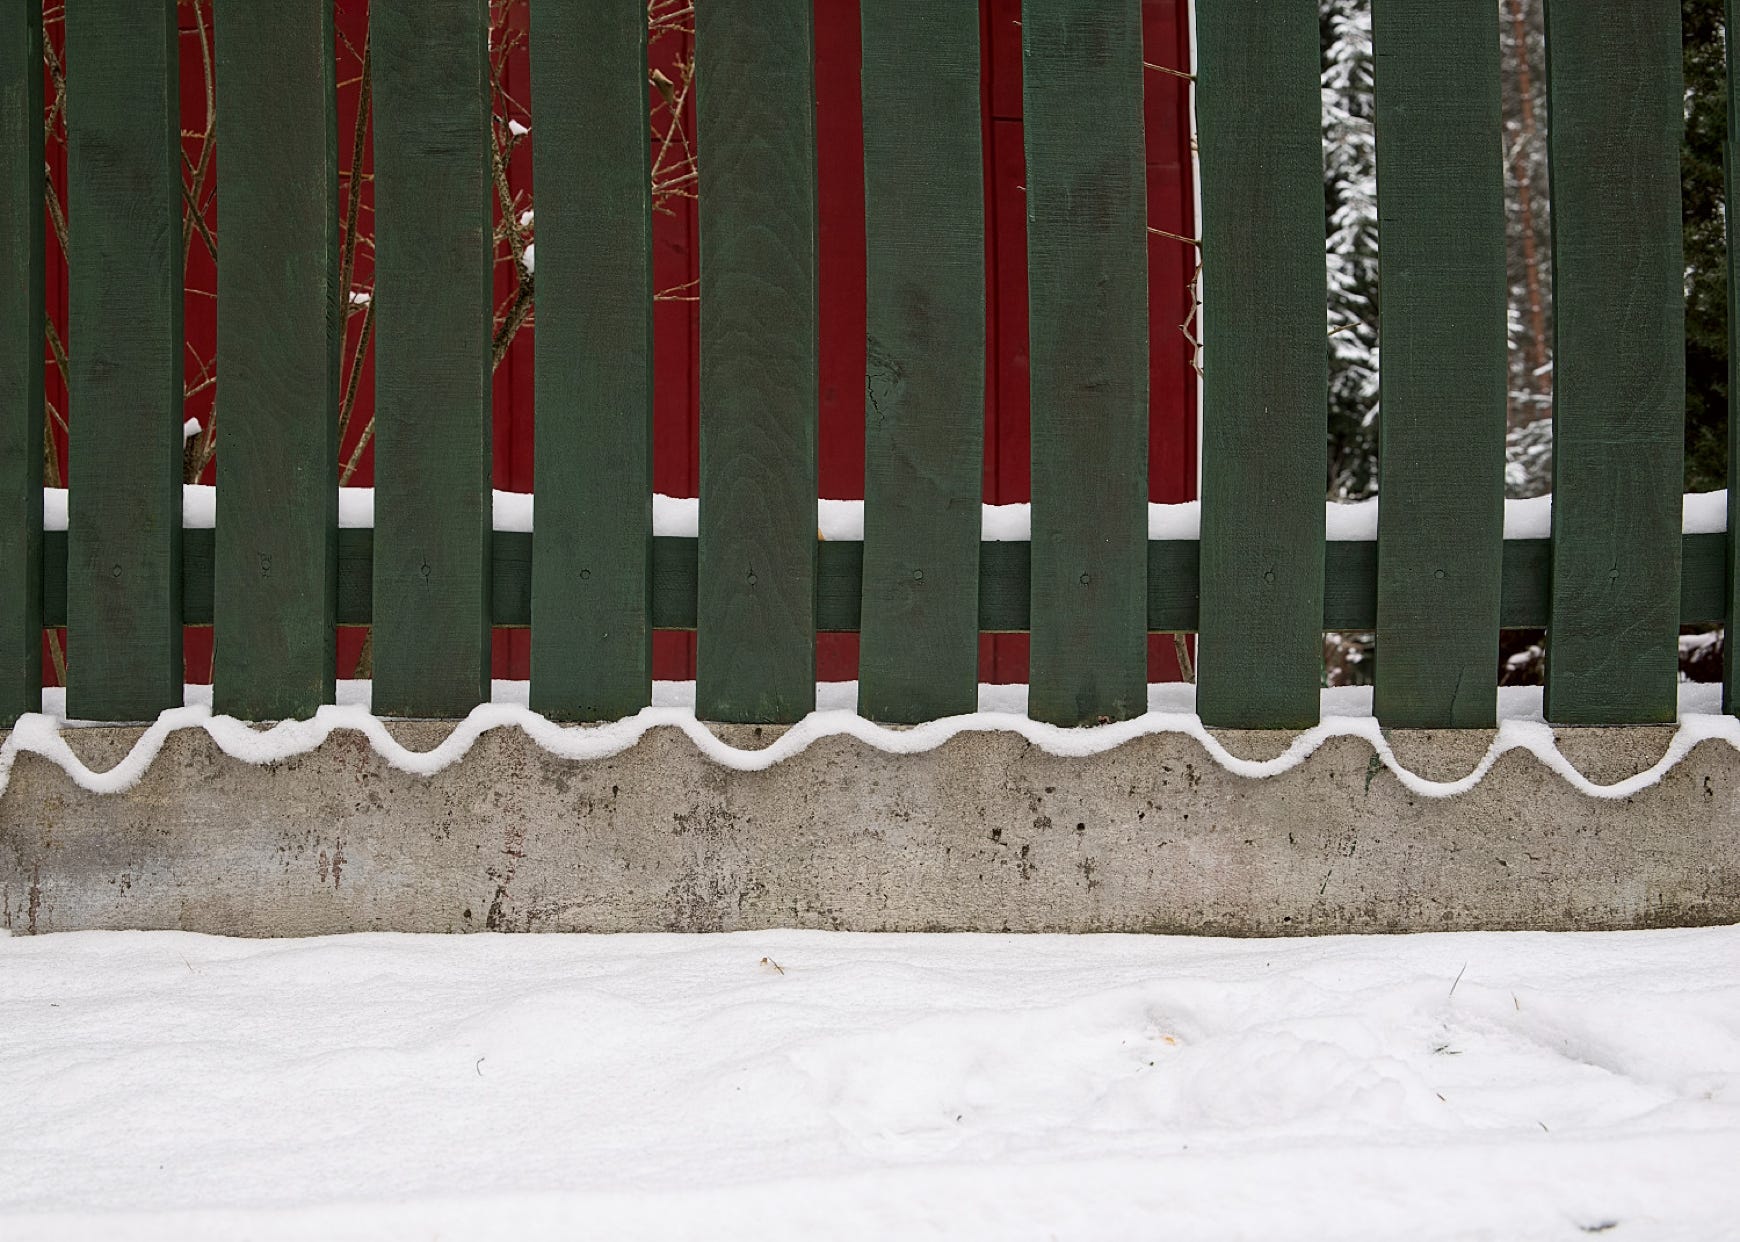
(124,366)
(1445,362)
(592,586)
(1616,104)
(279,337)
(755,106)
(1731,185)
(21,345)
(433,317)
(924,396)
(1087,268)
(1265,369)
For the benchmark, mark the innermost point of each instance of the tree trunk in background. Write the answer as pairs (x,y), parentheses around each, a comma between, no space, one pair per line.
(1522,164)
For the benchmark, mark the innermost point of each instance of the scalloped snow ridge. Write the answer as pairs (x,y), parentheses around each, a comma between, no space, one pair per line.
(1346,714)
(843,520)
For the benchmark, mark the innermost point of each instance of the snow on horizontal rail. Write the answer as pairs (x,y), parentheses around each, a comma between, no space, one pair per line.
(1702,513)
(1346,713)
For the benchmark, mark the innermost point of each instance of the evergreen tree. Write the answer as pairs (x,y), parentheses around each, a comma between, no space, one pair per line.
(1701,188)
(1350,191)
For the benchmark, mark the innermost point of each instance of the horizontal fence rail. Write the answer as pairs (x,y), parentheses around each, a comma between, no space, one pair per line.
(1171,591)
(1435,578)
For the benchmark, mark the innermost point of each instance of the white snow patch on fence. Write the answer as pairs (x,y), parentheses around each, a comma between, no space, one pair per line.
(801,1085)
(1529,519)
(1704,513)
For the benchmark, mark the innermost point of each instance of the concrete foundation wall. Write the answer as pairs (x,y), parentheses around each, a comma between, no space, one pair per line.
(985,833)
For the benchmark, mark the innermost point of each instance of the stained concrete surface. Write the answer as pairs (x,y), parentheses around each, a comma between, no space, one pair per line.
(986,833)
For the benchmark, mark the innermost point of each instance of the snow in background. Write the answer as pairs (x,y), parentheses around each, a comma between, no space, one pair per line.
(824,1085)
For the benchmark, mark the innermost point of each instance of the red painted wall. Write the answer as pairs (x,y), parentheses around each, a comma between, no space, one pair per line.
(840,176)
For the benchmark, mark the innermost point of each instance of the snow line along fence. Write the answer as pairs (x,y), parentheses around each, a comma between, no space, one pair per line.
(278,570)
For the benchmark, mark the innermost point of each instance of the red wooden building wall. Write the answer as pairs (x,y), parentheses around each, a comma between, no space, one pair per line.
(840,175)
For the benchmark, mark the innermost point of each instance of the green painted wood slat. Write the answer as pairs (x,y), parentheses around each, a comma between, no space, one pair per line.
(124,365)
(1087,270)
(755,120)
(1731,184)
(1349,600)
(1445,374)
(433,316)
(924,390)
(1265,369)
(21,362)
(1616,106)
(592,593)
(279,339)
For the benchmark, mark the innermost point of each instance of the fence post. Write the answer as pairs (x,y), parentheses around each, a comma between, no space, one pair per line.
(280,317)
(21,395)
(1616,103)
(124,359)
(1445,359)
(592,573)
(1265,365)
(755,108)
(433,312)
(925,387)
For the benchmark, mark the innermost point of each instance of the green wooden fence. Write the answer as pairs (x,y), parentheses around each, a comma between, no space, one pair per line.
(1612,585)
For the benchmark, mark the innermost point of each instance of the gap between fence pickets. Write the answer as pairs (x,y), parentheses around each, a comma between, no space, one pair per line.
(1171,711)
(1702,513)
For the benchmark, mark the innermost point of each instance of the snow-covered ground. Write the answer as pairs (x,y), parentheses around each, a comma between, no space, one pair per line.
(832,1086)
